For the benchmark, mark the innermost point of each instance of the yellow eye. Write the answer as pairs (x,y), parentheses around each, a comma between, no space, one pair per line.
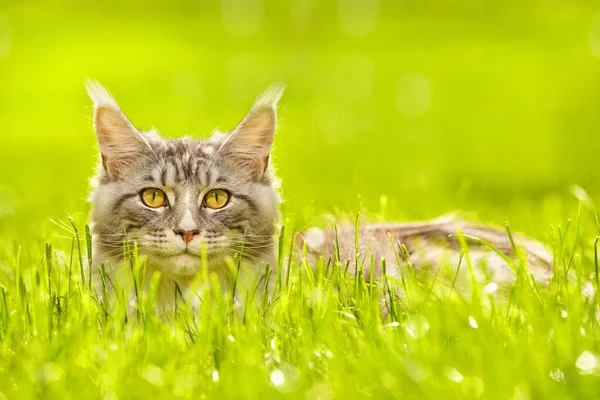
(153,197)
(217,198)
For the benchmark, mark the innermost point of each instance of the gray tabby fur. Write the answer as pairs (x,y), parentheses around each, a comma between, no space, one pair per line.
(185,169)
(430,246)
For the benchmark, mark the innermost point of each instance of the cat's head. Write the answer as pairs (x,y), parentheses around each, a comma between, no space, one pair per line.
(174,197)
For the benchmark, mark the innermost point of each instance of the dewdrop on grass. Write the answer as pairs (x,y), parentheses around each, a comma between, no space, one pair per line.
(587,363)
(277,377)
(473,323)
(453,375)
(557,375)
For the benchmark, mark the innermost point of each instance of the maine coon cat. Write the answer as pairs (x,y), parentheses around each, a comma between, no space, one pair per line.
(173,197)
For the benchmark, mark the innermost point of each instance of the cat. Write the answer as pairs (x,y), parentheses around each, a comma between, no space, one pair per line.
(174,197)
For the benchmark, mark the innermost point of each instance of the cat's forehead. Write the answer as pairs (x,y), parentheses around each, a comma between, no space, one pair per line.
(182,148)
(184,161)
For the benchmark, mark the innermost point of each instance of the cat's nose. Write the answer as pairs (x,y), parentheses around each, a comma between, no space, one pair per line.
(187,236)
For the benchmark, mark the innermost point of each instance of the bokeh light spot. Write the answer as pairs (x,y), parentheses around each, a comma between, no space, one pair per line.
(356,77)
(358,17)
(557,375)
(588,290)
(7,202)
(277,377)
(586,363)
(50,372)
(4,35)
(242,17)
(453,374)
(413,94)
(594,36)
(472,386)
(416,371)
(473,323)
(155,375)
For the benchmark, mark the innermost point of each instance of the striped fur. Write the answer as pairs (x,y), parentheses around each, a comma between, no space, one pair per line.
(238,162)
(435,244)
(185,170)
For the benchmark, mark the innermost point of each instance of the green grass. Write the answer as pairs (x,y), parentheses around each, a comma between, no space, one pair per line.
(319,332)
(402,111)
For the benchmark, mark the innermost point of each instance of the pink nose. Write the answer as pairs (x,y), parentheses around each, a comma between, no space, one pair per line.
(187,236)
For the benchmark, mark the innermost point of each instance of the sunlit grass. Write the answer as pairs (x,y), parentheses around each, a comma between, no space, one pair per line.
(486,107)
(318,331)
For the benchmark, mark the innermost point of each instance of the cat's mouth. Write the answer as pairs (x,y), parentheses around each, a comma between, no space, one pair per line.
(185,258)
(187,253)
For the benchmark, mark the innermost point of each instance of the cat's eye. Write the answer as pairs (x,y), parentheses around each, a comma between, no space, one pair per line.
(153,197)
(216,198)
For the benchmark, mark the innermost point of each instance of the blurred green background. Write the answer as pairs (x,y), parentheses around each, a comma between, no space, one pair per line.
(489,107)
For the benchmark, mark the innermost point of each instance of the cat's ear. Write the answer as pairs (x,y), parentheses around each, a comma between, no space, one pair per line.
(249,144)
(120,142)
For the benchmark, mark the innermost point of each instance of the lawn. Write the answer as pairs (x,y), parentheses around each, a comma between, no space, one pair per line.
(395,111)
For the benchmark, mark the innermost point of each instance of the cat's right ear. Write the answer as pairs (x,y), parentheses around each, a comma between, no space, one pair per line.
(120,142)
(249,144)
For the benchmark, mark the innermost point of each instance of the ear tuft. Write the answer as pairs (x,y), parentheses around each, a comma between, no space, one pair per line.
(249,144)
(271,96)
(99,95)
(121,144)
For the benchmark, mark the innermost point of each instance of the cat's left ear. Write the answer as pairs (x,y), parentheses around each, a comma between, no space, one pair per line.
(121,144)
(249,144)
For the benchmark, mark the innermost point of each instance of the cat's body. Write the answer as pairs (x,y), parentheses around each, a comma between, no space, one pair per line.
(429,245)
(178,198)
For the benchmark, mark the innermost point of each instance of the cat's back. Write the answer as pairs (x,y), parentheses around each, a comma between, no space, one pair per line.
(431,244)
